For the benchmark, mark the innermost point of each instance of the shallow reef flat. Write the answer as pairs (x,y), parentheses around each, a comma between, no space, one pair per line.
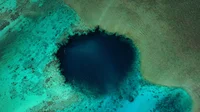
(31,79)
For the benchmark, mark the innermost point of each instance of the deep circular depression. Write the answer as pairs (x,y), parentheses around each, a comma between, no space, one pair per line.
(97,60)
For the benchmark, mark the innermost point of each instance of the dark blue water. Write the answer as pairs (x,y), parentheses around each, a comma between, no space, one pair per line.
(98,60)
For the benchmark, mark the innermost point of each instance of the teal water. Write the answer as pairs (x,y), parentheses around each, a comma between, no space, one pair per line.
(30,83)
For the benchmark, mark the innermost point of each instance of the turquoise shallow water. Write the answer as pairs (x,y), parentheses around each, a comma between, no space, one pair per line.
(31,80)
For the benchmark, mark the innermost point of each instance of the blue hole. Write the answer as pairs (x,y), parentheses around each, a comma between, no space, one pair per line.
(97,59)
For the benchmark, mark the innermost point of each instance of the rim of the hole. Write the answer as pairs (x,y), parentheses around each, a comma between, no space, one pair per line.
(133,68)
